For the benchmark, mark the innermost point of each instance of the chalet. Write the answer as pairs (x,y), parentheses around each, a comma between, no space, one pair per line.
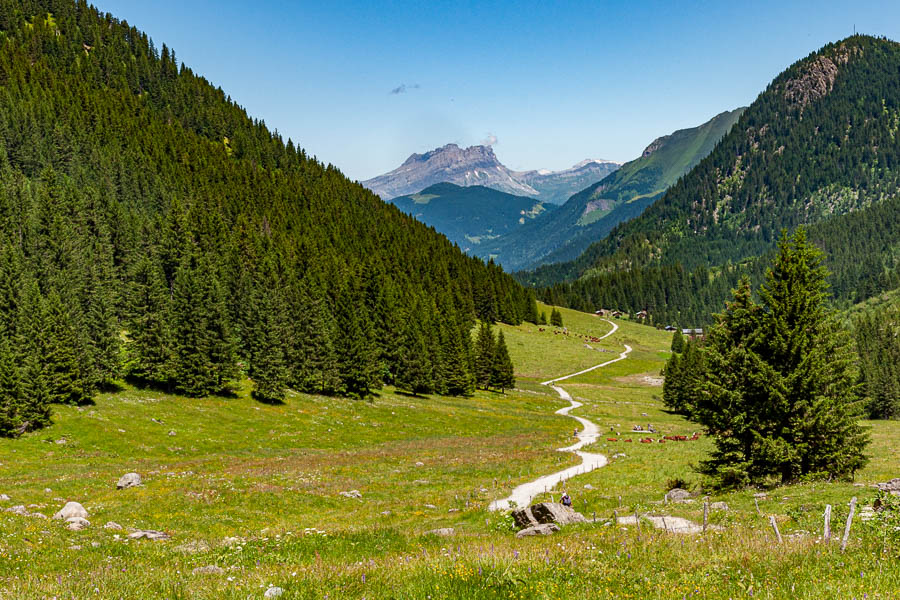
(603,312)
(693,334)
(670,328)
(641,315)
(616,314)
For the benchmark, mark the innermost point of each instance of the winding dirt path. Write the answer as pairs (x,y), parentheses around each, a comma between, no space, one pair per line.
(523,494)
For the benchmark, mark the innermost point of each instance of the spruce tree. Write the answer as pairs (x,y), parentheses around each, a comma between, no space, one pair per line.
(556,318)
(502,375)
(414,370)
(484,356)
(677,342)
(11,397)
(150,350)
(63,356)
(456,359)
(357,354)
(780,393)
(266,338)
(542,320)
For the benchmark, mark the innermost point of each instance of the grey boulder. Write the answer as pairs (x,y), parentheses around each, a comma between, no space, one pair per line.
(546,512)
(542,529)
(441,532)
(71,509)
(128,480)
(77,523)
(209,570)
(273,592)
(678,495)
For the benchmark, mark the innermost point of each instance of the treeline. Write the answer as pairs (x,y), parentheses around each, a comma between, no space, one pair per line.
(150,229)
(794,157)
(878,342)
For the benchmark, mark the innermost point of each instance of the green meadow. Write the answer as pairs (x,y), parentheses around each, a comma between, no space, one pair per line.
(255,490)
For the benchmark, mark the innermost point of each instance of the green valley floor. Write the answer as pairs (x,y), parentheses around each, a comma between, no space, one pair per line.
(250,495)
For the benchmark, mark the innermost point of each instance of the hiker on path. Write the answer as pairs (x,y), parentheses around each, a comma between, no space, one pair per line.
(566,500)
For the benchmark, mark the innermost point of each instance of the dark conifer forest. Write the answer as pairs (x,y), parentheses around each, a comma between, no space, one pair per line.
(151,229)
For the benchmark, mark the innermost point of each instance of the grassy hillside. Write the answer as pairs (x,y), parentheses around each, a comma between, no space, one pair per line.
(470,216)
(254,489)
(592,213)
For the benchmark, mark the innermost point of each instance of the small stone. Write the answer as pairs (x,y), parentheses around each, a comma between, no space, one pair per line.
(61,441)
(678,495)
(588,486)
(71,509)
(148,534)
(421,481)
(48,491)
(18,510)
(542,529)
(442,532)
(385,513)
(75,547)
(453,510)
(760,496)
(273,592)
(77,523)
(430,506)
(718,506)
(95,544)
(209,570)
(128,480)
(37,515)
(4,498)
(113,525)
(351,494)
(172,433)
(420,464)
(619,455)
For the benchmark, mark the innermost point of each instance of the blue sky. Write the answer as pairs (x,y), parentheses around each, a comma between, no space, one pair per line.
(553,82)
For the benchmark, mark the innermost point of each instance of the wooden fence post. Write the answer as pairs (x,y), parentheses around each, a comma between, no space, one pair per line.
(705,515)
(775,527)
(826,533)
(637,519)
(849,522)
(756,502)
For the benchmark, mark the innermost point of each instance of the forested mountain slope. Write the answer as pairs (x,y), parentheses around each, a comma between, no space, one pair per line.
(470,216)
(817,147)
(591,214)
(149,227)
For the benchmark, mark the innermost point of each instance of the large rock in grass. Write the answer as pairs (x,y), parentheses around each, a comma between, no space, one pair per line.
(542,529)
(544,513)
(128,480)
(892,486)
(71,509)
(441,532)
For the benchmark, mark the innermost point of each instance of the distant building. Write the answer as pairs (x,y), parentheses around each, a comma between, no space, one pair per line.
(616,313)
(670,328)
(693,334)
(603,312)
(641,315)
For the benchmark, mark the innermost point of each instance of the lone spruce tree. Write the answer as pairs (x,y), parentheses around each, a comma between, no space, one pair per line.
(502,376)
(556,318)
(780,393)
(484,356)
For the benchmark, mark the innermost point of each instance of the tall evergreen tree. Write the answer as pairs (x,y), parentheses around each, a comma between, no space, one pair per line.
(414,370)
(780,395)
(150,353)
(266,337)
(502,376)
(63,356)
(484,356)
(556,319)
(677,342)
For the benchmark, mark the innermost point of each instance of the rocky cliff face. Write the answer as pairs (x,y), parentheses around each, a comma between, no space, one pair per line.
(478,165)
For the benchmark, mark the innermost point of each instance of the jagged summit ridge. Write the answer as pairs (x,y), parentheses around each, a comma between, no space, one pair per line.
(478,165)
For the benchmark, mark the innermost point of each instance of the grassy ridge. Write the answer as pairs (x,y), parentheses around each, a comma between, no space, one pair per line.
(270,477)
